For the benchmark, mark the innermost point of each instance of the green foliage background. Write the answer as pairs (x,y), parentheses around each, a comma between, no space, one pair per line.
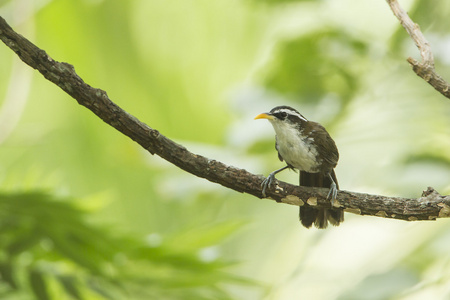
(86,214)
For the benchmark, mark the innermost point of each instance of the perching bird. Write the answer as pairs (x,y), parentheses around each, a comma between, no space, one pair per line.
(306,146)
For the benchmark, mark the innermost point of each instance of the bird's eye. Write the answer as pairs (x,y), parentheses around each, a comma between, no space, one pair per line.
(282,115)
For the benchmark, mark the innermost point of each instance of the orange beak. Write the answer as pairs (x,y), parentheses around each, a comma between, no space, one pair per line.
(264,116)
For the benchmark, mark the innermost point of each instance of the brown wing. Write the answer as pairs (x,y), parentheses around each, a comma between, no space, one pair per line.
(326,147)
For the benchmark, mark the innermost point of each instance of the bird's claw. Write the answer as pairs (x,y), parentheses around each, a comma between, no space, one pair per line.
(267,183)
(333,193)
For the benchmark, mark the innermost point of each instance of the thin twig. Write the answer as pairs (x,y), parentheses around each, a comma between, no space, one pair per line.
(428,207)
(424,69)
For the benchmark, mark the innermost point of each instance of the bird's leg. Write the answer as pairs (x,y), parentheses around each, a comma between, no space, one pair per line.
(333,190)
(270,179)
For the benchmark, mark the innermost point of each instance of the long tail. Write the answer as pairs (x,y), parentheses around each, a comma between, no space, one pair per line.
(319,216)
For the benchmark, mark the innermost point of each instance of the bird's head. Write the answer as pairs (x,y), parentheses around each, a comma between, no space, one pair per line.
(283,115)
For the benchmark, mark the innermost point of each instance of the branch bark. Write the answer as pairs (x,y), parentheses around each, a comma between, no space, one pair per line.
(428,207)
(424,69)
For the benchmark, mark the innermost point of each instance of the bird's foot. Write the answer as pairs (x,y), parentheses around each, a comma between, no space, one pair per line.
(332,193)
(267,183)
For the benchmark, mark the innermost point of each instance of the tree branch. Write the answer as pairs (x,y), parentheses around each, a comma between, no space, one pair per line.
(424,69)
(429,207)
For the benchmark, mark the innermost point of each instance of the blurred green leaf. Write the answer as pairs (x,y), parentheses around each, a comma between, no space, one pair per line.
(7,275)
(62,240)
(435,19)
(70,285)
(22,243)
(312,66)
(429,157)
(199,237)
(38,284)
(393,282)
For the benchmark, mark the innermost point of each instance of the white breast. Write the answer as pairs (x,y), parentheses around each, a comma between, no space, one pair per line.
(296,151)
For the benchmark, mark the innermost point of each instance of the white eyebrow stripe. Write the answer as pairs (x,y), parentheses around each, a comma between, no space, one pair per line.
(292,112)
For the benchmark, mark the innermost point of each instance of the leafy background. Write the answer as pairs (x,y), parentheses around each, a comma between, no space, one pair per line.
(86,214)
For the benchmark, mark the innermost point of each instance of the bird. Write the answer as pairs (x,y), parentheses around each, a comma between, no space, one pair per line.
(306,146)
